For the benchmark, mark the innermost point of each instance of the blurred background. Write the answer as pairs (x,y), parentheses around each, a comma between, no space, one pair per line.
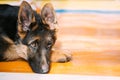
(84,24)
(90,31)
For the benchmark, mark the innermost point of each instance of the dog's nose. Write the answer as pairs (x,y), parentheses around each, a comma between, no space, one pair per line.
(45,68)
(45,71)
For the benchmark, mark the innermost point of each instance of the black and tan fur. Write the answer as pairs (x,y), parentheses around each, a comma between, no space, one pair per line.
(29,35)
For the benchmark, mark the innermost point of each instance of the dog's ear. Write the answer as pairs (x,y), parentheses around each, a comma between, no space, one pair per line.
(25,17)
(48,15)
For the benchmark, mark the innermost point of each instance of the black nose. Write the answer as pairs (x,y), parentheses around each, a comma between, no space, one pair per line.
(44,71)
(41,71)
(45,68)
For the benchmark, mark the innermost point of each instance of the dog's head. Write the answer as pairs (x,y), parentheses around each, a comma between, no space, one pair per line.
(37,31)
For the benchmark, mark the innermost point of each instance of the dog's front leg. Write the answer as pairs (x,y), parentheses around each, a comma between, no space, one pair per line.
(15,52)
(60,56)
(11,53)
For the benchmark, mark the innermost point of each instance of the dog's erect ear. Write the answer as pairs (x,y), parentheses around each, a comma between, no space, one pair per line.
(48,15)
(25,16)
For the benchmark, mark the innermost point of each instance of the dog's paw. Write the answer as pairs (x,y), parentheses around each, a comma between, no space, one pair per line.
(61,56)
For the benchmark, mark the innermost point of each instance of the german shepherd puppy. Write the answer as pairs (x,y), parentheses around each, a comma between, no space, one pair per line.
(27,34)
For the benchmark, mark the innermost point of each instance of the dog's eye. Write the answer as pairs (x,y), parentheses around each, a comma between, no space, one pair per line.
(34,44)
(49,44)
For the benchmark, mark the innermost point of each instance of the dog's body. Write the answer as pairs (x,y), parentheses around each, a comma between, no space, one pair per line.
(8,28)
(28,35)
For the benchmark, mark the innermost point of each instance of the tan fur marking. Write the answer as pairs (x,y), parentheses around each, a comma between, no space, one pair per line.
(35,27)
(21,33)
(15,52)
(33,39)
(37,37)
(33,19)
(10,54)
(8,40)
